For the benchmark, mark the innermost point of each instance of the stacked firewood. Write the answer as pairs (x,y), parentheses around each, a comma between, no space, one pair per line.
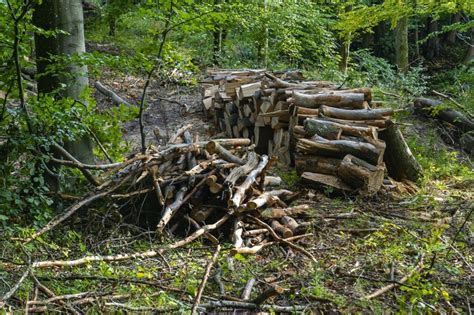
(330,134)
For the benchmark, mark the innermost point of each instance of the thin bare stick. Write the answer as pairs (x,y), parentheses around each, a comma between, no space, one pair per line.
(12,291)
(389,287)
(197,300)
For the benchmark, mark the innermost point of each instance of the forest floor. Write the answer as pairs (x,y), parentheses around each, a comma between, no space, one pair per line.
(410,252)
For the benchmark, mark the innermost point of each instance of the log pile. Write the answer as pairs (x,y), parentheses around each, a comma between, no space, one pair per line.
(331,135)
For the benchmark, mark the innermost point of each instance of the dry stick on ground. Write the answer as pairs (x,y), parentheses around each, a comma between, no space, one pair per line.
(178,133)
(51,294)
(109,93)
(253,306)
(197,300)
(248,289)
(281,240)
(122,257)
(381,291)
(69,156)
(12,291)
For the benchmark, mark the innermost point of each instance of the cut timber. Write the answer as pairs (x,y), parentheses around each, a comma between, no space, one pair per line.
(430,107)
(277,213)
(401,164)
(321,180)
(248,90)
(354,100)
(365,90)
(358,114)
(266,198)
(332,130)
(290,223)
(281,229)
(380,123)
(339,148)
(251,178)
(213,147)
(236,173)
(316,164)
(361,175)
(298,110)
(271,181)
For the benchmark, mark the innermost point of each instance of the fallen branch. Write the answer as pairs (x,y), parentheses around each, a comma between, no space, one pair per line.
(109,93)
(197,300)
(122,257)
(12,291)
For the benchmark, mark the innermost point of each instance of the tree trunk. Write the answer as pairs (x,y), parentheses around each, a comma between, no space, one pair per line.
(401,44)
(451,37)
(401,164)
(345,49)
(67,16)
(470,53)
(432,45)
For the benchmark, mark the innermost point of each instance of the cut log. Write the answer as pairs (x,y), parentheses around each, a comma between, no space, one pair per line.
(290,223)
(281,229)
(266,198)
(298,110)
(236,173)
(354,100)
(332,130)
(316,180)
(357,114)
(213,147)
(241,189)
(380,123)
(248,90)
(365,90)
(200,214)
(339,148)
(316,164)
(400,162)
(277,213)
(430,107)
(270,181)
(359,174)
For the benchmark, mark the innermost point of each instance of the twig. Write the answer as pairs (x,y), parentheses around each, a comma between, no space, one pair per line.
(281,240)
(12,291)
(253,306)
(387,288)
(143,308)
(81,165)
(197,300)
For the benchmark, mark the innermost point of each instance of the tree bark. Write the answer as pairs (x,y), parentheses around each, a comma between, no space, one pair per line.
(401,164)
(361,175)
(401,44)
(70,81)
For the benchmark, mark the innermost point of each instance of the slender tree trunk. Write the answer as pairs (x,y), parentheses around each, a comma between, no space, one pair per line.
(401,44)
(71,80)
(379,32)
(345,49)
(451,37)
(266,48)
(432,45)
(470,53)
(416,38)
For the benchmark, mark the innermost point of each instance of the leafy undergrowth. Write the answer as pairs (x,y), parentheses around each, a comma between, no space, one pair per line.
(360,246)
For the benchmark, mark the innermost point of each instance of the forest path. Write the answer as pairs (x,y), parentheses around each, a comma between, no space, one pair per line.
(168,107)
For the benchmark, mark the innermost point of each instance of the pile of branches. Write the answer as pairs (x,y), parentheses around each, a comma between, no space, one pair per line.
(210,185)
